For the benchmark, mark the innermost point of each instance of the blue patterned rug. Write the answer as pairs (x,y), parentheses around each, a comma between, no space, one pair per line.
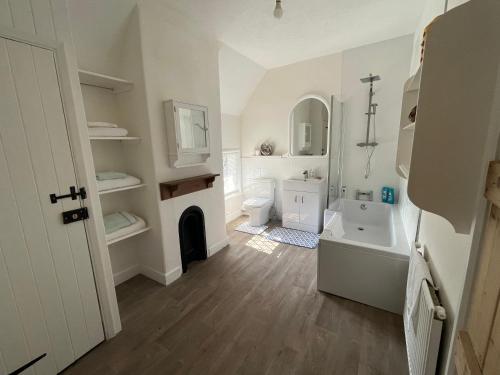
(294,237)
(247,228)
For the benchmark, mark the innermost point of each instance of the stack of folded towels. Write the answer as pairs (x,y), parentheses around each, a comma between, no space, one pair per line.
(105,129)
(115,180)
(121,223)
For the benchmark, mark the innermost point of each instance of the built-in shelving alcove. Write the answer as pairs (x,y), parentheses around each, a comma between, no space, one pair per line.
(105,100)
(445,153)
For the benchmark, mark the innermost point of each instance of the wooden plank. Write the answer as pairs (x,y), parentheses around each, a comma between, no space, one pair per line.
(492,361)
(58,143)
(61,20)
(486,287)
(492,192)
(479,315)
(17,244)
(22,16)
(59,289)
(13,349)
(5,16)
(42,17)
(465,358)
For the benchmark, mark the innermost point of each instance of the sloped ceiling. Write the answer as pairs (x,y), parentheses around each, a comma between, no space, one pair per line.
(238,78)
(308,28)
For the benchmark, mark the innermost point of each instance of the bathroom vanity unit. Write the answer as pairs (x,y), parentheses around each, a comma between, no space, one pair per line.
(303,203)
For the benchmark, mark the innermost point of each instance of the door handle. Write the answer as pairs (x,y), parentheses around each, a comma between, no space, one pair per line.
(72,193)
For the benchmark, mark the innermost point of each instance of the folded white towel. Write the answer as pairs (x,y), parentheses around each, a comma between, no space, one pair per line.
(108,132)
(116,183)
(418,272)
(138,225)
(101,124)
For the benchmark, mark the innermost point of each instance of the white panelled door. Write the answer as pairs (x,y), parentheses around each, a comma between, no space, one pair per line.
(48,298)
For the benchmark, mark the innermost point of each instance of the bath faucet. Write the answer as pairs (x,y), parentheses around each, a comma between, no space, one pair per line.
(364,195)
(306,174)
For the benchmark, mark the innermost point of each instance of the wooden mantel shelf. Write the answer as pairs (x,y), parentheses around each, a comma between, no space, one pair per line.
(172,189)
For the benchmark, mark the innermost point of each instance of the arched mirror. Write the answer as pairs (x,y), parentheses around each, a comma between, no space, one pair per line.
(309,123)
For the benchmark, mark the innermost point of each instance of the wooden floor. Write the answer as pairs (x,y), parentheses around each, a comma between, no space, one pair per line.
(252,308)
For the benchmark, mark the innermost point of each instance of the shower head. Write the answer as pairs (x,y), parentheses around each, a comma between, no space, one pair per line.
(371,78)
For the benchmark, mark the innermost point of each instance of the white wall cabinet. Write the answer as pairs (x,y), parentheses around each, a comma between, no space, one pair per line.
(458,110)
(188,133)
(303,209)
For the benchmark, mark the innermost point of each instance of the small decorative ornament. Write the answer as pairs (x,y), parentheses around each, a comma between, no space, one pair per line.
(266,149)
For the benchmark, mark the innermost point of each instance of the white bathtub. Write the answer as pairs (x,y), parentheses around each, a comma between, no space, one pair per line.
(363,254)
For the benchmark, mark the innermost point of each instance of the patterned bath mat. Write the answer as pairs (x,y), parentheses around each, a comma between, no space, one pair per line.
(294,237)
(247,228)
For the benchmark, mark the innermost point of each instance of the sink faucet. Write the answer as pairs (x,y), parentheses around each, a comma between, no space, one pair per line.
(306,174)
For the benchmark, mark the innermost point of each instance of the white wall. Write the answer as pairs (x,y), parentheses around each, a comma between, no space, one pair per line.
(266,116)
(448,253)
(180,63)
(231,139)
(231,131)
(267,112)
(391,60)
(238,78)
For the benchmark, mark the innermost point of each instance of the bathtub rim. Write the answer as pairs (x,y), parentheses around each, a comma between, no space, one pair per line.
(401,248)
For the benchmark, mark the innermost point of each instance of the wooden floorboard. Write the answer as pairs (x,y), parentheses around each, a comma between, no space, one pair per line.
(253,308)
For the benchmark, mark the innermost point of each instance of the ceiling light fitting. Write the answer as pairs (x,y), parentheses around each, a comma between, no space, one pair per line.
(278,10)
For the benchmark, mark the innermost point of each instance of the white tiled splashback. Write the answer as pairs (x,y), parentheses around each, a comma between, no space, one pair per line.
(280,168)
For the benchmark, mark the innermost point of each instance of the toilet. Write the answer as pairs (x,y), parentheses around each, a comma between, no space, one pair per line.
(259,196)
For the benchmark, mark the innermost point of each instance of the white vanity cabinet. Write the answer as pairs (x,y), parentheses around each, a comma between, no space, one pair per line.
(303,204)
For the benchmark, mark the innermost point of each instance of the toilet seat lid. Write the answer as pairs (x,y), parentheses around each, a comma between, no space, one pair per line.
(256,202)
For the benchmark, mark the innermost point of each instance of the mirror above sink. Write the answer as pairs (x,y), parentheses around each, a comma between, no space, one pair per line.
(309,127)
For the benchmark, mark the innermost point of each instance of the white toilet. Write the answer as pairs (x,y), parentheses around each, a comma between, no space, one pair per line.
(259,196)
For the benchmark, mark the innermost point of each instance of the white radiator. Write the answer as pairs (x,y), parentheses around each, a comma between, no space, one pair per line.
(422,341)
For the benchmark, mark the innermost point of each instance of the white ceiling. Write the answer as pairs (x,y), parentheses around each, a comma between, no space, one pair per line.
(308,28)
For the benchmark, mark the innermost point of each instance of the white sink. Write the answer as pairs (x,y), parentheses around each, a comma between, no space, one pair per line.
(311,185)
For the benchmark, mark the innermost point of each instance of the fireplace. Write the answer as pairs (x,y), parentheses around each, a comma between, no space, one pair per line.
(192,236)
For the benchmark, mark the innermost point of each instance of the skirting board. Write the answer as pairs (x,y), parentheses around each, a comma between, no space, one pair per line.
(218,246)
(162,278)
(233,216)
(126,274)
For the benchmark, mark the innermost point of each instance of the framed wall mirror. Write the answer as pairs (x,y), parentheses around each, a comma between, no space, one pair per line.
(309,127)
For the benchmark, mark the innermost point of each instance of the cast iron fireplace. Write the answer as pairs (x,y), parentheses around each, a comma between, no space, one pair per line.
(192,236)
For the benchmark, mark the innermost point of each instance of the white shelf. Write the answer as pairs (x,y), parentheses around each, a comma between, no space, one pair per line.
(264,157)
(457,115)
(409,126)
(121,189)
(404,170)
(115,138)
(127,236)
(413,84)
(114,84)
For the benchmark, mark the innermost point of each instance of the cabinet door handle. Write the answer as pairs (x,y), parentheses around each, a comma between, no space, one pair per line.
(302,199)
(295,199)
